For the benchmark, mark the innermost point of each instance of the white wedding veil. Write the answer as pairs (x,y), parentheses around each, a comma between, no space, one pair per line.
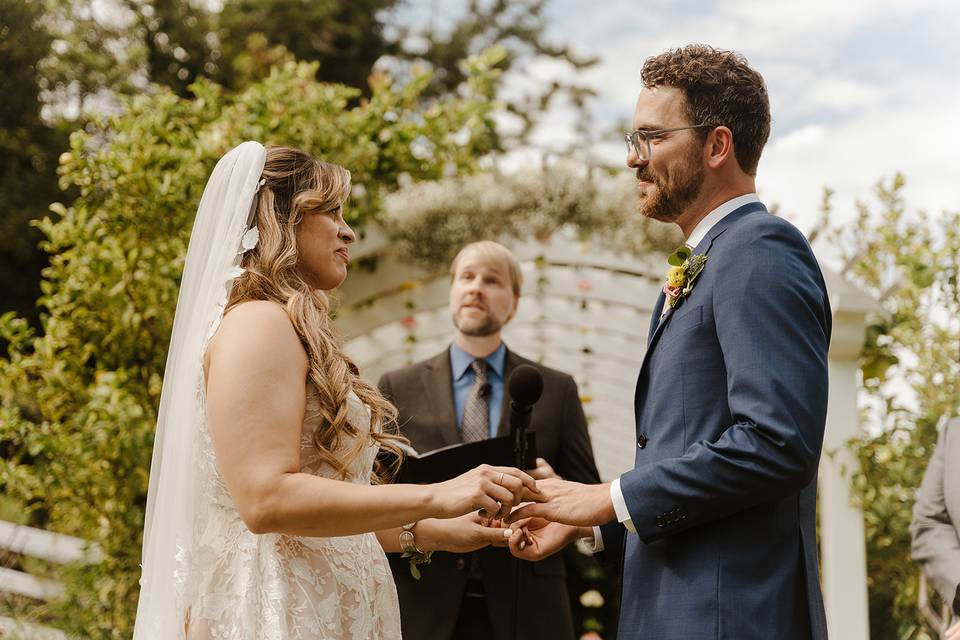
(213,258)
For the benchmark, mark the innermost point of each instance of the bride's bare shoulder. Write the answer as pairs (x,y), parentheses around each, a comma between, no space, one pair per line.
(258,326)
(256,313)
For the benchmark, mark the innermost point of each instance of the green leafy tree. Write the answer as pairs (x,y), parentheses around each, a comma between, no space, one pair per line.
(78,398)
(910,380)
(346,38)
(520,27)
(86,55)
(28,154)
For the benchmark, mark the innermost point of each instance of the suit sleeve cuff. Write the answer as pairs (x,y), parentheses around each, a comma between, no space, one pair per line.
(620,506)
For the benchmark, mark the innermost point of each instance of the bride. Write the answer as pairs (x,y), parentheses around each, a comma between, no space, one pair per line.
(266,485)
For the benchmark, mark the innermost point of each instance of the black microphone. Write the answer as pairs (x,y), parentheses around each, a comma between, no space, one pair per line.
(526,387)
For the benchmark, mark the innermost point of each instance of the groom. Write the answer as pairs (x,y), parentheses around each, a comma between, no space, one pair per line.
(716,522)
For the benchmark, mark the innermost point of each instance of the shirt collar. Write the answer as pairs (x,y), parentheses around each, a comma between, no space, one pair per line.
(703,227)
(460,360)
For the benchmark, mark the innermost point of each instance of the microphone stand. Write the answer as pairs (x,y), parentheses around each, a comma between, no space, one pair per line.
(519,460)
(525,386)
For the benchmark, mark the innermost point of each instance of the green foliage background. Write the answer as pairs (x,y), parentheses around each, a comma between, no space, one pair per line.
(77,399)
(909,261)
(79,386)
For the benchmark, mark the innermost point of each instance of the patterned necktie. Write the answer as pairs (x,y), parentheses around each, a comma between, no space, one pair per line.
(476,414)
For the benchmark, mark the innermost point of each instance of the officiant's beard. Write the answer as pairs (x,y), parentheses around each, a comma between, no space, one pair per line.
(477,327)
(670,196)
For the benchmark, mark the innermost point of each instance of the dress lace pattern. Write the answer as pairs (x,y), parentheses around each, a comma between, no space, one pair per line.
(237,585)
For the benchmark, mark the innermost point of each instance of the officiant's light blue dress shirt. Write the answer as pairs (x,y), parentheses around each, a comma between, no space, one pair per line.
(463,378)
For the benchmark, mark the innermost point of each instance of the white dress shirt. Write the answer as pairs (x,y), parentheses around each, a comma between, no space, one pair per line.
(699,233)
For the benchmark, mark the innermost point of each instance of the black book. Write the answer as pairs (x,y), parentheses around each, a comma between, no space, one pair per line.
(450,461)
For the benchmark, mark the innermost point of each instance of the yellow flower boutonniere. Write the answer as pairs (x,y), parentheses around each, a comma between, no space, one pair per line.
(683,272)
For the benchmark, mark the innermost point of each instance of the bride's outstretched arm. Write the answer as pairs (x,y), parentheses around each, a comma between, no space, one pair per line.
(458,535)
(255,380)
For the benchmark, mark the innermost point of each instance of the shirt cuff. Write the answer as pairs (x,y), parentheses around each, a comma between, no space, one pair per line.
(620,506)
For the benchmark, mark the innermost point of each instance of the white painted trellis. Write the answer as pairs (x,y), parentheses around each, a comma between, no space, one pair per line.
(586,310)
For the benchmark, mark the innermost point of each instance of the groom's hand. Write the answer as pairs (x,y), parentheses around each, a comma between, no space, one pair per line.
(572,503)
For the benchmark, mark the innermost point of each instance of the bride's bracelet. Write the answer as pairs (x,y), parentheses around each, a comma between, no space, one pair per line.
(410,550)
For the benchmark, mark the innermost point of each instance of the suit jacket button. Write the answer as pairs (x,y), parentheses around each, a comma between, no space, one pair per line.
(641,442)
(460,563)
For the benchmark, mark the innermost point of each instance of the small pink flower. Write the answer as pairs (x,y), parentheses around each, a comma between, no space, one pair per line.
(671,292)
(584,285)
(409,322)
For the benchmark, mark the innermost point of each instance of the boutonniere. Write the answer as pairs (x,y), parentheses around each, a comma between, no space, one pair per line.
(683,272)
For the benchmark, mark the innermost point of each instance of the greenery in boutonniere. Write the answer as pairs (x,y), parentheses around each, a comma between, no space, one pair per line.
(683,272)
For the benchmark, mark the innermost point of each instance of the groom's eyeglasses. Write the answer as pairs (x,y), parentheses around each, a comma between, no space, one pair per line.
(639,140)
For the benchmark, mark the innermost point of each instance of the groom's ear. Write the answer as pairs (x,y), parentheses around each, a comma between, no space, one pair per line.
(719,149)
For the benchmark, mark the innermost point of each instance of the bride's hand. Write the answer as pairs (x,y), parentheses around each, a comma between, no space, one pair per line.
(492,490)
(462,535)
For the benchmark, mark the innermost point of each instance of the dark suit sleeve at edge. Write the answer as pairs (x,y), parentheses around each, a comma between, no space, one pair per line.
(773,325)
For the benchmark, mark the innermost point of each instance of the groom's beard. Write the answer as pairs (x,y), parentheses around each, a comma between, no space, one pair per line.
(669,197)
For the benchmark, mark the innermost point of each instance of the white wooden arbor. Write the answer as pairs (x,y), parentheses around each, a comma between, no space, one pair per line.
(586,310)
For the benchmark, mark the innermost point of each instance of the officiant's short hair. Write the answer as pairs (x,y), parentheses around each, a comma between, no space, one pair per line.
(493,252)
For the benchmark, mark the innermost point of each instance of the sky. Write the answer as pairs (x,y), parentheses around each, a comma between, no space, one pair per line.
(859,89)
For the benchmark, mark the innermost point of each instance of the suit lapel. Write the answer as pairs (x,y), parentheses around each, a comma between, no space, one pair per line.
(437,380)
(704,248)
(655,319)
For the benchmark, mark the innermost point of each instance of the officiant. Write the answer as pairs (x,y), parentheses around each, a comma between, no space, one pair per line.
(460,395)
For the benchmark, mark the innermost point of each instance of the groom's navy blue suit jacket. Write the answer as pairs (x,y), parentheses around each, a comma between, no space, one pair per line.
(730,406)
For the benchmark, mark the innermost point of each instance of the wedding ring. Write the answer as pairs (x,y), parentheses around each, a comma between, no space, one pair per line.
(500,481)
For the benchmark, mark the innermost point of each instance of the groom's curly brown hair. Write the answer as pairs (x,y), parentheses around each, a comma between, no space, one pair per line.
(721,90)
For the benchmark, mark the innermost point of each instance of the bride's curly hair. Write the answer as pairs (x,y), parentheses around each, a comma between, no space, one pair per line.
(297,185)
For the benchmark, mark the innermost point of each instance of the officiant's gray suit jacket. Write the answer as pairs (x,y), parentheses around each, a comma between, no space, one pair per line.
(730,410)
(429,607)
(936,516)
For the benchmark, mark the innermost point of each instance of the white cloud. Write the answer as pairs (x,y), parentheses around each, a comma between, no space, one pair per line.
(913,134)
(852,100)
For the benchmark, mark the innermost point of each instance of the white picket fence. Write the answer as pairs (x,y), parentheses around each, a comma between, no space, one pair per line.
(37,543)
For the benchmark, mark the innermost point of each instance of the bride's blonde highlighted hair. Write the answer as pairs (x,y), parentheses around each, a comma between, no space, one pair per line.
(296,185)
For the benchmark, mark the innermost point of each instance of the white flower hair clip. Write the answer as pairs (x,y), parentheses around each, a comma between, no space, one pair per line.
(262,182)
(249,239)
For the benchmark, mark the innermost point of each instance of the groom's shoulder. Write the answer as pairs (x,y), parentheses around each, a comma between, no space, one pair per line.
(760,228)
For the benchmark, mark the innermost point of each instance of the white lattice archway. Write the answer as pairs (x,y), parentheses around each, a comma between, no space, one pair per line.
(582,311)
(586,310)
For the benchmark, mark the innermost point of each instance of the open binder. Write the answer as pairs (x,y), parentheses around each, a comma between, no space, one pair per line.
(450,461)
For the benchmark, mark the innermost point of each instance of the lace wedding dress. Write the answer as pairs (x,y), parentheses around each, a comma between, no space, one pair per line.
(241,586)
